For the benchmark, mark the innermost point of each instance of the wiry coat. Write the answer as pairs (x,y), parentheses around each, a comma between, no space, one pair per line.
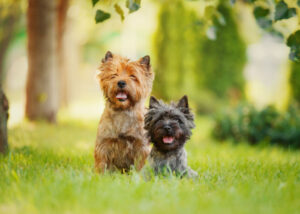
(175,121)
(121,141)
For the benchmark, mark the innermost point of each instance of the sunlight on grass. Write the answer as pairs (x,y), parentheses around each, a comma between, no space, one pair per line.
(50,170)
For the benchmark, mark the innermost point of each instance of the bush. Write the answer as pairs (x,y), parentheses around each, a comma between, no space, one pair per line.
(255,126)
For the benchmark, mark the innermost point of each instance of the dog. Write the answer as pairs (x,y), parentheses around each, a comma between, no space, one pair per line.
(168,128)
(121,142)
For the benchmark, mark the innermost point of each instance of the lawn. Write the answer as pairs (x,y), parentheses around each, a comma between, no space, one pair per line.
(50,170)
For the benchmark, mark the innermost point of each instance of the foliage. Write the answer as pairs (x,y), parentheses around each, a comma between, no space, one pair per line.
(293,42)
(222,60)
(172,40)
(255,126)
(101,15)
(295,81)
(50,170)
(187,63)
(267,18)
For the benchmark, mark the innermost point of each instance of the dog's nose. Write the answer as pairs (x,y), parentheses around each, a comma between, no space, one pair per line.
(121,84)
(168,128)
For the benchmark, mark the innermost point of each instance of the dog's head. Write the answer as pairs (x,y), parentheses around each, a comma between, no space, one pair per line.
(124,82)
(169,126)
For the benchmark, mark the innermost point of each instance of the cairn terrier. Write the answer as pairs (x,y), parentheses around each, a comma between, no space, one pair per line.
(121,141)
(169,127)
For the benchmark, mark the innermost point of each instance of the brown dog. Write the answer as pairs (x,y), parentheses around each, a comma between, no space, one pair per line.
(121,141)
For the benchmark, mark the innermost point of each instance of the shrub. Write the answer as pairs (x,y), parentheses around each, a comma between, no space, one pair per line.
(254,126)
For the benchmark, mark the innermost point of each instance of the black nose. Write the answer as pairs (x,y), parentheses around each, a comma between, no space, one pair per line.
(121,84)
(168,129)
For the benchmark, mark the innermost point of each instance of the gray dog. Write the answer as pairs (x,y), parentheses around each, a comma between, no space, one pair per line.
(169,127)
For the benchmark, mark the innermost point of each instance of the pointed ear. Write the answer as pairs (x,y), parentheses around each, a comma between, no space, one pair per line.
(145,61)
(108,56)
(153,102)
(183,103)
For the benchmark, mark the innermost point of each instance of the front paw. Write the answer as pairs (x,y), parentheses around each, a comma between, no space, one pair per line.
(192,174)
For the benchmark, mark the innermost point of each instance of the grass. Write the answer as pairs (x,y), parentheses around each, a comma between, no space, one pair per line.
(50,170)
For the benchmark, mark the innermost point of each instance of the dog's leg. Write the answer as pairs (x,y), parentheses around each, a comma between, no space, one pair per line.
(100,160)
(141,159)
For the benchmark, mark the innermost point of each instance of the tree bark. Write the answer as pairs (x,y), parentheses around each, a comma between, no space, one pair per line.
(3,121)
(61,55)
(8,24)
(41,88)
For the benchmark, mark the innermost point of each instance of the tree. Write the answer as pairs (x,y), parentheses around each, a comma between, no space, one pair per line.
(61,55)
(42,87)
(3,121)
(9,15)
(223,73)
(295,81)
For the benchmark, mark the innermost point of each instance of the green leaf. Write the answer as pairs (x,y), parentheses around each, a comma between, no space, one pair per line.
(261,12)
(283,12)
(293,42)
(262,17)
(101,16)
(298,2)
(133,5)
(94,2)
(120,11)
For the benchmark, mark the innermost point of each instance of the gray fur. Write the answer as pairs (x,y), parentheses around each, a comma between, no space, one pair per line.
(175,120)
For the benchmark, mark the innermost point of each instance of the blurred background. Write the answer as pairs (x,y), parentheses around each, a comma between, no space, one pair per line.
(219,53)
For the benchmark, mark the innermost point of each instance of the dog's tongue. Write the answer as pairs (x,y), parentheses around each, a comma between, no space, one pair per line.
(168,139)
(121,95)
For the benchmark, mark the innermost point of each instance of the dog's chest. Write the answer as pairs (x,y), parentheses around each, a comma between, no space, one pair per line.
(175,162)
(121,124)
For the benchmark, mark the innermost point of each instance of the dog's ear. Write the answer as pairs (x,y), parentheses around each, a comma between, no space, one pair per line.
(108,56)
(145,61)
(183,104)
(153,102)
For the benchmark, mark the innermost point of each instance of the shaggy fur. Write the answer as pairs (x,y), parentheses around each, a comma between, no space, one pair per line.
(121,141)
(169,127)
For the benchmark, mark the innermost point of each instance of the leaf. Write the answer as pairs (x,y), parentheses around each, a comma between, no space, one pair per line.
(133,5)
(283,12)
(298,3)
(94,2)
(293,42)
(101,16)
(261,12)
(120,11)
(250,1)
(262,17)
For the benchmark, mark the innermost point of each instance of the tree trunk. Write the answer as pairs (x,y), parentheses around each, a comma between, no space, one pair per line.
(41,88)
(62,70)
(3,121)
(8,23)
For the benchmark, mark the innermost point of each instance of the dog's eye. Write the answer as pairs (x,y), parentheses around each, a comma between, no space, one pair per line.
(133,77)
(179,120)
(113,76)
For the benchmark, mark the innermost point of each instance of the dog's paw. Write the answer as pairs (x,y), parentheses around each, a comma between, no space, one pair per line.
(192,174)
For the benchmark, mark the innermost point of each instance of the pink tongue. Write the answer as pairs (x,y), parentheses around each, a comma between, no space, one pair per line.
(168,139)
(121,95)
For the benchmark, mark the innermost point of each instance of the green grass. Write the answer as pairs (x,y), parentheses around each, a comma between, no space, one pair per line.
(50,170)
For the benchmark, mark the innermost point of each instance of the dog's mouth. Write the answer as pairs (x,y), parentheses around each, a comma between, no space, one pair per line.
(121,96)
(168,139)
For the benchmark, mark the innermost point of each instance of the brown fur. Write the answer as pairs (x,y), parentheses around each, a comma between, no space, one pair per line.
(121,142)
